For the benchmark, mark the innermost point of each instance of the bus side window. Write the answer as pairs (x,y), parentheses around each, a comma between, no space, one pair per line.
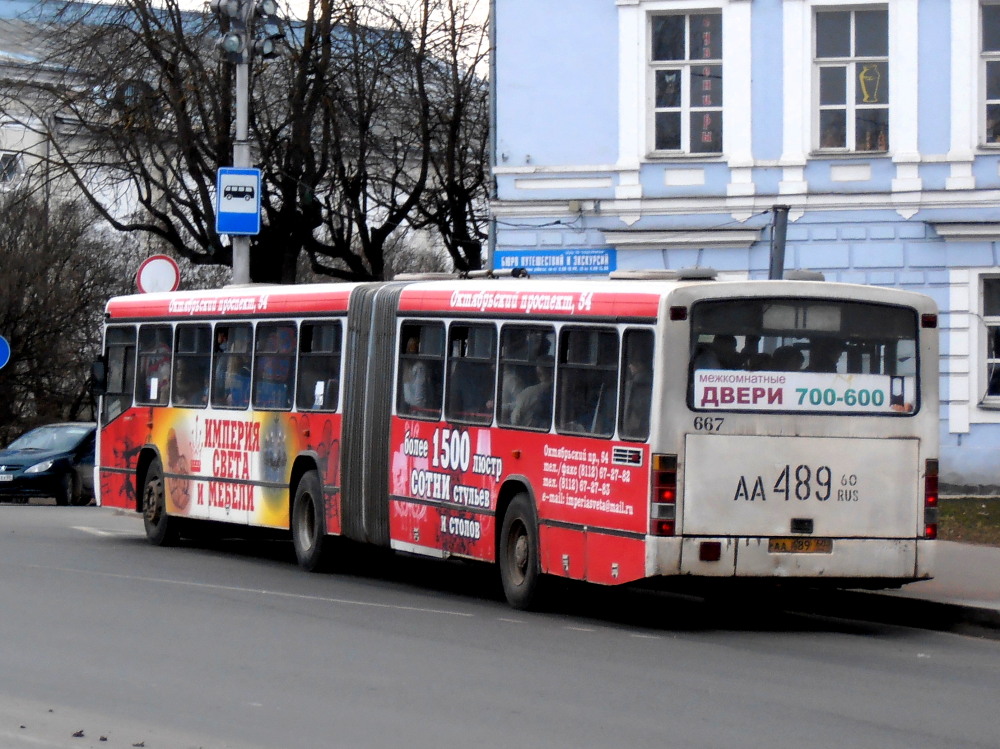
(420,376)
(192,361)
(319,366)
(472,372)
(527,371)
(231,366)
(637,384)
(119,352)
(588,381)
(155,349)
(274,365)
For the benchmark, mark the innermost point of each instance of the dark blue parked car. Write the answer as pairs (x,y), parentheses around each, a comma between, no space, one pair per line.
(56,460)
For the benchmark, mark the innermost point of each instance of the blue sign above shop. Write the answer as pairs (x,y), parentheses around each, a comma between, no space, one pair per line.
(541,262)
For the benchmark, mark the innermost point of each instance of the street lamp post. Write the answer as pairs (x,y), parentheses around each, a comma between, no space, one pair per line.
(238,45)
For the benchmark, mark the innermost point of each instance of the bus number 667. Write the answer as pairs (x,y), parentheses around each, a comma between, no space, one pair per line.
(708,423)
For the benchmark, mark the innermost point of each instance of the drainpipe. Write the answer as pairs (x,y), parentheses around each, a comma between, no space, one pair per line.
(780,229)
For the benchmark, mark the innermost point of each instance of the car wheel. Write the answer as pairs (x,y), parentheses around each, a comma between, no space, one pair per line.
(68,492)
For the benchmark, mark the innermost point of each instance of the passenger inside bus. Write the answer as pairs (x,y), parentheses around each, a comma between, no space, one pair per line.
(533,407)
(787,359)
(824,353)
(416,378)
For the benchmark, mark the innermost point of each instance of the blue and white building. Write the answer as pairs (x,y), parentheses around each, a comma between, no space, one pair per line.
(661,133)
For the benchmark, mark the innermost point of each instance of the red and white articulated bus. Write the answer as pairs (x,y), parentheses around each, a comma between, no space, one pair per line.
(641,427)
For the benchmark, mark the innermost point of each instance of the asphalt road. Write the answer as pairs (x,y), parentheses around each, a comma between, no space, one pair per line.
(228,644)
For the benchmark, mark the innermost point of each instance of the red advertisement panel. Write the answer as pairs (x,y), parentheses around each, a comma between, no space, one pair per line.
(445,480)
(222,465)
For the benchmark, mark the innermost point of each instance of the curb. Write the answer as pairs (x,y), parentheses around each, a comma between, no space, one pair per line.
(909,612)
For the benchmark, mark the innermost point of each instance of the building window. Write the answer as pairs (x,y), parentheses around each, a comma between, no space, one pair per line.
(686,67)
(10,165)
(991,318)
(991,71)
(852,70)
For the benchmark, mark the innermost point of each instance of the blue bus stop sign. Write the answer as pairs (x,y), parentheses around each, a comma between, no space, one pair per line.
(4,352)
(237,201)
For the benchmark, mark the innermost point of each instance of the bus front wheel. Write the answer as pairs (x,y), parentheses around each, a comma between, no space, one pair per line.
(160,527)
(518,554)
(308,526)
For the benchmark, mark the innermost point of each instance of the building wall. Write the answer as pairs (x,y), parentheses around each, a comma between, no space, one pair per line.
(577,170)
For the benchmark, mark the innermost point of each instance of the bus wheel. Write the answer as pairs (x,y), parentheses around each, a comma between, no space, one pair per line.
(518,554)
(308,526)
(160,529)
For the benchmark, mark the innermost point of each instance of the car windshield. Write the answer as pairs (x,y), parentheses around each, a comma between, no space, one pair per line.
(50,438)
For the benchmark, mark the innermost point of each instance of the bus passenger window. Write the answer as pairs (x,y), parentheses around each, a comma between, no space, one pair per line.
(319,366)
(421,370)
(274,362)
(119,353)
(526,374)
(231,366)
(155,346)
(192,360)
(637,387)
(471,373)
(588,381)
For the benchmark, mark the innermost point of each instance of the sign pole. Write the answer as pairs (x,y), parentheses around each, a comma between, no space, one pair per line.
(241,159)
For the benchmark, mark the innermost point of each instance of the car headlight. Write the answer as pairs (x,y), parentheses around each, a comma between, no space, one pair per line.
(40,467)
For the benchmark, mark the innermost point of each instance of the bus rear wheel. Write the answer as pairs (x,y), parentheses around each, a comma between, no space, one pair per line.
(161,529)
(308,523)
(518,554)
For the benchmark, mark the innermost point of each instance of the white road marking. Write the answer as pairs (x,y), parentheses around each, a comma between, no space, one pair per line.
(258,591)
(103,532)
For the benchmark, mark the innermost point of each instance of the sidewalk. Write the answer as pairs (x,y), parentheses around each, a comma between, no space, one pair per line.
(964,595)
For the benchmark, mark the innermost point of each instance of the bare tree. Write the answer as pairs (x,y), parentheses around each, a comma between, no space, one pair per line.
(360,130)
(456,205)
(59,270)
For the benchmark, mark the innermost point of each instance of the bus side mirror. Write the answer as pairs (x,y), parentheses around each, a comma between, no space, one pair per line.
(98,378)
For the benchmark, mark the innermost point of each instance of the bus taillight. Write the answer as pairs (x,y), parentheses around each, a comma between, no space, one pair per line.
(931,499)
(663,506)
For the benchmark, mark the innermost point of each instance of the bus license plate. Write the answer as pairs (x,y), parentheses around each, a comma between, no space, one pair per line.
(800,545)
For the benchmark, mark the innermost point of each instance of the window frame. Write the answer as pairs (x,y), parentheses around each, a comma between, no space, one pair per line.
(524,359)
(986,58)
(851,107)
(686,109)
(146,357)
(196,358)
(472,362)
(283,354)
(434,366)
(990,322)
(120,360)
(228,358)
(334,357)
(576,379)
(11,167)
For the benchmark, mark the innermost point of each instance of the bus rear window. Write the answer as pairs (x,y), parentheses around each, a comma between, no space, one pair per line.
(811,355)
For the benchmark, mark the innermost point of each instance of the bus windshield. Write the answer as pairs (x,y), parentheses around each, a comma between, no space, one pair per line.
(819,355)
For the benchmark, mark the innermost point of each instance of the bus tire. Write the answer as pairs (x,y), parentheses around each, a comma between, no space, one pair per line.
(518,554)
(308,526)
(161,529)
